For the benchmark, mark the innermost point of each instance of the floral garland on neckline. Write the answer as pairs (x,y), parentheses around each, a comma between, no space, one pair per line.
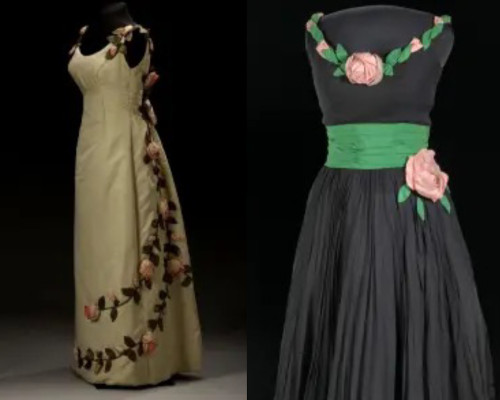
(174,266)
(369,68)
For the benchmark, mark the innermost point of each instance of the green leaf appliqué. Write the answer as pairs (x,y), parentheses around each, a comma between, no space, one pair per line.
(446,203)
(405,54)
(426,39)
(329,54)
(341,53)
(388,70)
(393,57)
(403,194)
(421,208)
(338,72)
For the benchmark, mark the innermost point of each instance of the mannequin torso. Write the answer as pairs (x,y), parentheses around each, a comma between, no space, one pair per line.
(111,17)
(407,96)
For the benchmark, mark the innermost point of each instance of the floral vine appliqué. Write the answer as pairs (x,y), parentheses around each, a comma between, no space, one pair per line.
(425,179)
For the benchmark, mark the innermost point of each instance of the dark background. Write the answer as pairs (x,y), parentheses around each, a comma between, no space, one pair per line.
(194,101)
(286,146)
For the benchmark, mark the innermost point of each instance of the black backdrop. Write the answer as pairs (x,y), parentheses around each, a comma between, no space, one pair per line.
(194,100)
(286,146)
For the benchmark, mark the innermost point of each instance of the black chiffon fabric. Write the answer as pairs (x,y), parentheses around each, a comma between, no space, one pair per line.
(382,305)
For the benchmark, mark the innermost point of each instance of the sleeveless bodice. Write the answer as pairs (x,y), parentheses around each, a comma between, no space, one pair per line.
(407,96)
(108,82)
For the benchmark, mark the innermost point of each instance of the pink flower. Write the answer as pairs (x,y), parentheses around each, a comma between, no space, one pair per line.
(416,45)
(153,150)
(146,269)
(424,175)
(150,80)
(309,25)
(438,20)
(91,312)
(112,51)
(148,342)
(364,69)
(164,208)
(322,46)
(175,267)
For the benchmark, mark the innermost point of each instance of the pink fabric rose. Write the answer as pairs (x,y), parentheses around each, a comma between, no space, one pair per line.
(322,46)
(416,45)
(164,208)
(91,312)
(146,269)
(148,342)
(424,175)
(364,69)
(153,150)
(175,267)
(151,79)
(112,51)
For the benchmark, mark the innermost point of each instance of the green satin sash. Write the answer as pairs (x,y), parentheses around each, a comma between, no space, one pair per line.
(374,145)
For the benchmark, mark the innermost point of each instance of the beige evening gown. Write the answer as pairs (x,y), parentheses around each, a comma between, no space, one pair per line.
(136,317)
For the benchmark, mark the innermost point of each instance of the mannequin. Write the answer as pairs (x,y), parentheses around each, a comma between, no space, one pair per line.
(409,94)
(111,16)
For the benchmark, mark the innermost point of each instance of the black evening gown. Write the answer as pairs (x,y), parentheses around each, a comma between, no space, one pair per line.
(382,305)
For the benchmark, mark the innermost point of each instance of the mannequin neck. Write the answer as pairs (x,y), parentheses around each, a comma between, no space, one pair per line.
(114,16)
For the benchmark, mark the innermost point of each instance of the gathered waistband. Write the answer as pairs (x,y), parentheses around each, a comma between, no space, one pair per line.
(374,145)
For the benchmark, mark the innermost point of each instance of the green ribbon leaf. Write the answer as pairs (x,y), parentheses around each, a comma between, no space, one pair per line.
(341,53)
(388,70)
(446,203)
(393,57)
(316,17)
(403,194)
(316,33)
(436,31)
(421,208)
(338,72)
(426,39)
(329,54)
(446,19)
(405,54)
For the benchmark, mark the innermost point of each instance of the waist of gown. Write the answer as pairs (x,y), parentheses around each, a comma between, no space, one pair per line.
(374,145)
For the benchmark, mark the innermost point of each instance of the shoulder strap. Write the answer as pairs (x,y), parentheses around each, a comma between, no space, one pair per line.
(121,35)
(147,33)
(83,29)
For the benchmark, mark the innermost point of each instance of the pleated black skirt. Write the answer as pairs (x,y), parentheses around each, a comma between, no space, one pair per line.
(382,305)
